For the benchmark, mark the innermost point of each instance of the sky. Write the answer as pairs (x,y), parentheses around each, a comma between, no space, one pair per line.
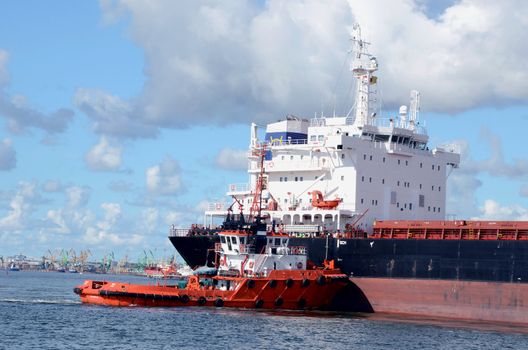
(120,118)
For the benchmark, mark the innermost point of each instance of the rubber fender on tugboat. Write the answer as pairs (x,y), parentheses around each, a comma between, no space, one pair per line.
(184,298)
(321,280)
(259,303)
(289,283)
(251,283)
(272,283)
(218,302)
(301,303)
(305,282)
(77,290)
(279,301)
(202,301)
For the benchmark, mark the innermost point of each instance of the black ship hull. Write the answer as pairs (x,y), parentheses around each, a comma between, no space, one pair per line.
(461,260)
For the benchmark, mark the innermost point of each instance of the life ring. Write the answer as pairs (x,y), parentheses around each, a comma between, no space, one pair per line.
(251,264)
(299,265)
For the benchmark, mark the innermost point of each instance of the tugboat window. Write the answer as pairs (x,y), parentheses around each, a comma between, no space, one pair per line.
(222,239)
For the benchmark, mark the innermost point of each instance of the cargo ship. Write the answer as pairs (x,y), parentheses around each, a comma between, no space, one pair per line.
(370,193)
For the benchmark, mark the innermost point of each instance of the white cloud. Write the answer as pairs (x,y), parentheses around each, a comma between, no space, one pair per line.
(104,156)
(492,210)
(52,186)
(106,231)
(7,155)
(77,196)
(20,116)
(150,219)
(56,217)
(164,178)
(240,61)
(232,159)
(20,208)
(112,115)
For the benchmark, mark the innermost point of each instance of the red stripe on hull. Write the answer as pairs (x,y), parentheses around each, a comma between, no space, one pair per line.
(476,301)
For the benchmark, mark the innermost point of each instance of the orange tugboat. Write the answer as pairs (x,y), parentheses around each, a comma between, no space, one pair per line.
(254,269)
(276,278)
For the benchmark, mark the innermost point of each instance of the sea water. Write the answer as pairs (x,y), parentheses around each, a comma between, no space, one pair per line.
(38,310)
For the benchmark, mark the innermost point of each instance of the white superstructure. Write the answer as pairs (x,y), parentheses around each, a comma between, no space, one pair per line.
(381,169)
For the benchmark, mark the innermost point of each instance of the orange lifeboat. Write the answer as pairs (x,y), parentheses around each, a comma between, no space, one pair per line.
(318,201)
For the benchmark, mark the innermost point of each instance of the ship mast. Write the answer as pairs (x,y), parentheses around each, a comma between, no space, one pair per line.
(363,66)
(256,206)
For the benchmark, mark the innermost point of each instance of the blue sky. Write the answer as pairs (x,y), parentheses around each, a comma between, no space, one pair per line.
(120,117)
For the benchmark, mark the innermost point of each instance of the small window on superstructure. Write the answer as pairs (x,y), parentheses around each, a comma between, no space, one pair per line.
(432,166)
(362,178)
(301,178)
(234,240)
(285,179)
(285,200)
(398,162)
(313,138)
(421,200)
(432,188)
(383,159)
(434,209)
(428,208)
(370,158)
(398,205)
(342,178)
(291,157)
(420,186)
(383,181)
(398,183)
(296,178)
(282,157)
(342,156)
(410,206)
(376,202)
(406,162)
(439,188)
(300,200)
(405,205)
(438,168)
(438,209)
(222,239)
(421,165)
(280,179)
(320,138)
(302,156)
(361,200)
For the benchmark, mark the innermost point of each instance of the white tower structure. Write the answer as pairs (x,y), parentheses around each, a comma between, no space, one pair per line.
(363,66)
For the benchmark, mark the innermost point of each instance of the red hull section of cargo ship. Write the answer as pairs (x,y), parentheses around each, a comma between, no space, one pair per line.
(505,303)
(307,289)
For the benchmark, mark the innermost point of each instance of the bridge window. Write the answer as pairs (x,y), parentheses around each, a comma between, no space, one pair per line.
(320,138)
(313,138)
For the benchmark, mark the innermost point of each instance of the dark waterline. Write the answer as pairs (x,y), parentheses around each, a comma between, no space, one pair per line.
(40,311)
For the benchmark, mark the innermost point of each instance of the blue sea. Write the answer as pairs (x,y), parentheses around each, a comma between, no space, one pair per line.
(38,310)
